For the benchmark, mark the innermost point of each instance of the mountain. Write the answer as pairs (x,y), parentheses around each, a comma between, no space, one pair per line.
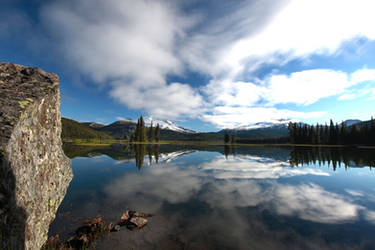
(168,129)
(74,130)
(281,123)
(349,123)
(261,130)
(167,124)
(118,129)
(92,124)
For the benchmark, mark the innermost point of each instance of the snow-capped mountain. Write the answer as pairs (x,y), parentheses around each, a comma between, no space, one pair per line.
(164,124)
(269,124)
(167,124)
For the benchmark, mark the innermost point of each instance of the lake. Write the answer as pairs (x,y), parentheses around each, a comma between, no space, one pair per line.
(224,197)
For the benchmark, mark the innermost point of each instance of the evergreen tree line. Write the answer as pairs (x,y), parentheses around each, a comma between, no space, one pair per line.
(142,134)
(335,157)
(333,134)
(229,138)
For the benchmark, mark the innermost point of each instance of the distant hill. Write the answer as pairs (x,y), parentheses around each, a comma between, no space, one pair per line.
(172,131)
(75,130)
(349,123)
(121,128)
(92,124)
(118,129)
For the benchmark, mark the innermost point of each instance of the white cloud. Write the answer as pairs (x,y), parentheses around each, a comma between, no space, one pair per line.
(164,101)
(346,97)
(306,87)
(363,75)
(354,192)
(226,92)
(311,202)
(302,28)
(230,117)
(250,167)
(129,44)
(240,103)
(133,46)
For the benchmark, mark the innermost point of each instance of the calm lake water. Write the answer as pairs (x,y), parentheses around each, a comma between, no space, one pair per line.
(225,198)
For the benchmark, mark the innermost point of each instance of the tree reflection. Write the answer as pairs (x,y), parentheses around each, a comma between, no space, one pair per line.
(226,151)
(156,153)
(335,157)
(141,150)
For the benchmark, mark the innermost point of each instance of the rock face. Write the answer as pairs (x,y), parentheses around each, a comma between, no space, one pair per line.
(34,172)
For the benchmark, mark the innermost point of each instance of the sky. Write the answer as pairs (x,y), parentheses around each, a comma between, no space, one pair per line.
(207,65)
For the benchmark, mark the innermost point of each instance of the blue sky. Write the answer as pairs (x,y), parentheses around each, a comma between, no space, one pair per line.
(205,64)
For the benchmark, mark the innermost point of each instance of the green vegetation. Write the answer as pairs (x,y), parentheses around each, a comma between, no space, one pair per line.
(362,133)
(74,130)
(226,137)
(140,133)
(157,133)
(151,134)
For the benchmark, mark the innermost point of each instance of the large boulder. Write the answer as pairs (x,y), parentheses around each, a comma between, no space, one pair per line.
(34,172)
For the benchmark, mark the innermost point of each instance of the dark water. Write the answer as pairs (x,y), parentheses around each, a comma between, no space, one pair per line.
(225,198)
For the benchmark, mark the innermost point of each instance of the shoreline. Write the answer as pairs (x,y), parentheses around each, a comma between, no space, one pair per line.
(83,142)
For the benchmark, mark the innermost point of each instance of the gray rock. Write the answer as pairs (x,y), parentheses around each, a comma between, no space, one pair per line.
(116,228)
(137,222)
(34,172)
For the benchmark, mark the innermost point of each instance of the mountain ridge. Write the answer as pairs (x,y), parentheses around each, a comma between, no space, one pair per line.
(172,131)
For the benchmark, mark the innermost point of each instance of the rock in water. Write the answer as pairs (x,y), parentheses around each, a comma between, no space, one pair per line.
(137,222)
(34,172)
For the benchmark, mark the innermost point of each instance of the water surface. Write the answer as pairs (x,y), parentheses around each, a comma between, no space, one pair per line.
(225,197)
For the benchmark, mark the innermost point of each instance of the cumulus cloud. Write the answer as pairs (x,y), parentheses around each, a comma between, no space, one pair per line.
(346,97)
(250,167)
(239,103)
(134,46)
(246,181)
(302,28)
(129,44)
(311,202)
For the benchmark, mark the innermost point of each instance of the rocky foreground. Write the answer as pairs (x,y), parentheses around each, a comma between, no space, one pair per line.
(34,172)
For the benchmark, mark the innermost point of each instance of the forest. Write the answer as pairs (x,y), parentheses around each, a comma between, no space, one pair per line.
(333,134)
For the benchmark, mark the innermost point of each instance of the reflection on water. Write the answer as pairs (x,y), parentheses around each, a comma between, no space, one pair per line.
(336,157)
(226,197)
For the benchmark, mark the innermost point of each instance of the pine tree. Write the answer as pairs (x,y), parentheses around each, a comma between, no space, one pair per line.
(132,136)
(321,134)
(372,131)
(137,131)
(336,134)
(226,137)
(331,139)
(326,134)
(317,135)
(292,131)
(312,135)
(233,139)
(157,133)
(151,133)
(344,133)
(142,132)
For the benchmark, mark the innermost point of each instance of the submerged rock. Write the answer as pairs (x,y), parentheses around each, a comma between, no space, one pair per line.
(34,172)
(133,219)
(137,222)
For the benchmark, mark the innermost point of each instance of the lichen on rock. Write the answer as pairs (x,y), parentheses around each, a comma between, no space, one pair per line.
(34,172)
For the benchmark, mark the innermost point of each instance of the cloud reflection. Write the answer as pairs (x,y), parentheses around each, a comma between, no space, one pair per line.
(246,181)
(254,167)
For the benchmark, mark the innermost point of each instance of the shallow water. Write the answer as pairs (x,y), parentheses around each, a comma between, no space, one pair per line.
(225,198)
